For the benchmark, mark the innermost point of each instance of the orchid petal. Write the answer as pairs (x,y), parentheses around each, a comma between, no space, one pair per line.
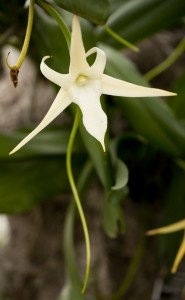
(60,79)
(87,97)
(97,68)
(116,87)
(78,63)
(60,103)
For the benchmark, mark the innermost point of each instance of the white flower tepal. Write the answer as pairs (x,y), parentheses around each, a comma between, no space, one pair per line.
(84,85)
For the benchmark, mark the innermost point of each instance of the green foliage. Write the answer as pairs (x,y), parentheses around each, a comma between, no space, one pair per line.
(37,172)
(113,219)
(25,184)
(73,285)
(178,105)
(96,11)
(114,176)
(42,45)
(137,19)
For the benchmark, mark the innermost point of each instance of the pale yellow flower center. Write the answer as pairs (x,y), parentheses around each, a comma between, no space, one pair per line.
(81,80)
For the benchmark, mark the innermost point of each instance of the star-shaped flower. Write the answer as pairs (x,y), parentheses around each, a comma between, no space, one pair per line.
(84,85)
(169,229)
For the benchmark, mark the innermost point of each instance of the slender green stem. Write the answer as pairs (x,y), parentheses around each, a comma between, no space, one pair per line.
(120,39)
(54,13)
(69,253)
(28,35)
(76,196)
(26,40)
(167,62)
(14,70)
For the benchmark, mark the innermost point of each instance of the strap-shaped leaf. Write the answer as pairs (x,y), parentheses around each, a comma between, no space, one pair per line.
(135,20)
(96,11)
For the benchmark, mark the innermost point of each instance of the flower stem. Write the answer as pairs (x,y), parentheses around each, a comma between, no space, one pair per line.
(76,196)
(167,62)
(26,40)
(69,253)
(54,13)
(120,39)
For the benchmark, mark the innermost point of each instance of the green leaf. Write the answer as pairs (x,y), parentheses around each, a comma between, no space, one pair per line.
(135,20)
(150,117)
(121,171)
(25,183)
(48,39)
(71,291)
(53,11)
(73,286)
(177,103)
(96,11)
(113,218)
(99,158)
(46,143)
(37,172)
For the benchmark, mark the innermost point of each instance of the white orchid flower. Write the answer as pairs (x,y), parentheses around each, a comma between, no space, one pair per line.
(84,85)
(170,229)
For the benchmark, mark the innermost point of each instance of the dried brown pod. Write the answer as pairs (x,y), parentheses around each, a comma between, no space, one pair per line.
(14,76)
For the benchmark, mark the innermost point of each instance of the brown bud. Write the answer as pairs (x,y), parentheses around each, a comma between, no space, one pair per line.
(14,76)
